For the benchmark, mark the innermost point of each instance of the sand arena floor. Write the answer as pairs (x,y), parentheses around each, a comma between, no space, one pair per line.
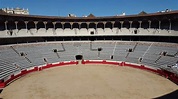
(89,82)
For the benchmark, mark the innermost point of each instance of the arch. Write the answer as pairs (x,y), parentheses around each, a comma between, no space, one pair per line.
(117,24)
(108,25)
(135,24)
(49,25)
(79,57)
(145,24)
(100,25)
(67,25)
(155,24)
(21,25)
(11,25)
(92,25)
(126,24)
(31,25)
(40,25)
(165,24)
(84,25)
(58,25)
(75,25)
(2,26)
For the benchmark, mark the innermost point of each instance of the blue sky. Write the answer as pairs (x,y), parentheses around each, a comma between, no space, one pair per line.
(85,7)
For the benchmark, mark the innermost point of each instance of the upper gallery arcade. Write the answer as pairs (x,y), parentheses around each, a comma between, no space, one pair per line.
(158,21)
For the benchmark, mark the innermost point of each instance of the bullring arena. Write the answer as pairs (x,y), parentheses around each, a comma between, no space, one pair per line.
(89,82)
(43,57)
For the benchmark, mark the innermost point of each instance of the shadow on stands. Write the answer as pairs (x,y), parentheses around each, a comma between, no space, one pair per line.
(172,95)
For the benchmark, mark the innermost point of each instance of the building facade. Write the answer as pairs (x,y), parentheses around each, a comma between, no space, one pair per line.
(16,11)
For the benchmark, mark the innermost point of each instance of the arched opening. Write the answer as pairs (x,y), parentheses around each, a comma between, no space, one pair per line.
(92,25)
(49,25)
(31,25)
(11,25)
(67,25)
(145,24)
(84,25)
(79,57)
(126,24)
(100,25)
(75,25)
(108,25)
(40,25)
(135,24)
(58,26)
(117,25)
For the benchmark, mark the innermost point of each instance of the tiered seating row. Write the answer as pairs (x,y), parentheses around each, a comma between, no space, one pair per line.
(22,56)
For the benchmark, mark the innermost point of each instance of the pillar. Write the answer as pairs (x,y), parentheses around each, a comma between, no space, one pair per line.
(130,24)
(149,24)
(71,27)
(104,25)
(36,22)
(63,25)
(122,22)
(96,23)
(54,25)
(159,24)
(5,23)
(140,24)
(16,22)
(45,25)
(170,26)
(79,25)
(112,24)
(26,26)
(87,25)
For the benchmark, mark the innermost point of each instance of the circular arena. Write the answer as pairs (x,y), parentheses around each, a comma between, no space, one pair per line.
(90,82)
(133,56)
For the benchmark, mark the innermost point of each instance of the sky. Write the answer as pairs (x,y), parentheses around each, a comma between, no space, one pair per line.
(85,7)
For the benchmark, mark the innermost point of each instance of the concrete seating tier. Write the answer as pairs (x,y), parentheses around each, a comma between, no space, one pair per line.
(21,56)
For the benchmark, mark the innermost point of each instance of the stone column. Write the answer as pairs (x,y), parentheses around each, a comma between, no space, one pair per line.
(54,27)
(63,25)
(71,27)
(26,26)
(79,25)
(96,23)
(5,23)
(149,24)
(45,25)
(159,24)
(104,25)
(130,24)
(122,22)
(112,25)
(140,24)
(170,25)
(16,22)
(87,25)
(36,22)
